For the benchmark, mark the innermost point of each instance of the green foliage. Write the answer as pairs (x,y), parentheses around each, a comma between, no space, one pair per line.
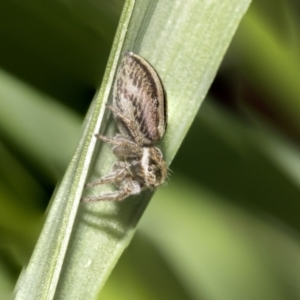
(226,224)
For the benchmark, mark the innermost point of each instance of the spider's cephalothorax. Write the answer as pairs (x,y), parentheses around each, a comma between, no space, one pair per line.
(139,107)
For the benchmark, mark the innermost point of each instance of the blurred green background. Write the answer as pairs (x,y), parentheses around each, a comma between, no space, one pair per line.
(236,235)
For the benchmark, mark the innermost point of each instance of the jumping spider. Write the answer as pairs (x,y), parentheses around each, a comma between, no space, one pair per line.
(139,108)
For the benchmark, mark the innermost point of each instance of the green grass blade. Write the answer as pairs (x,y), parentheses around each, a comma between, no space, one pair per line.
(185,42)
